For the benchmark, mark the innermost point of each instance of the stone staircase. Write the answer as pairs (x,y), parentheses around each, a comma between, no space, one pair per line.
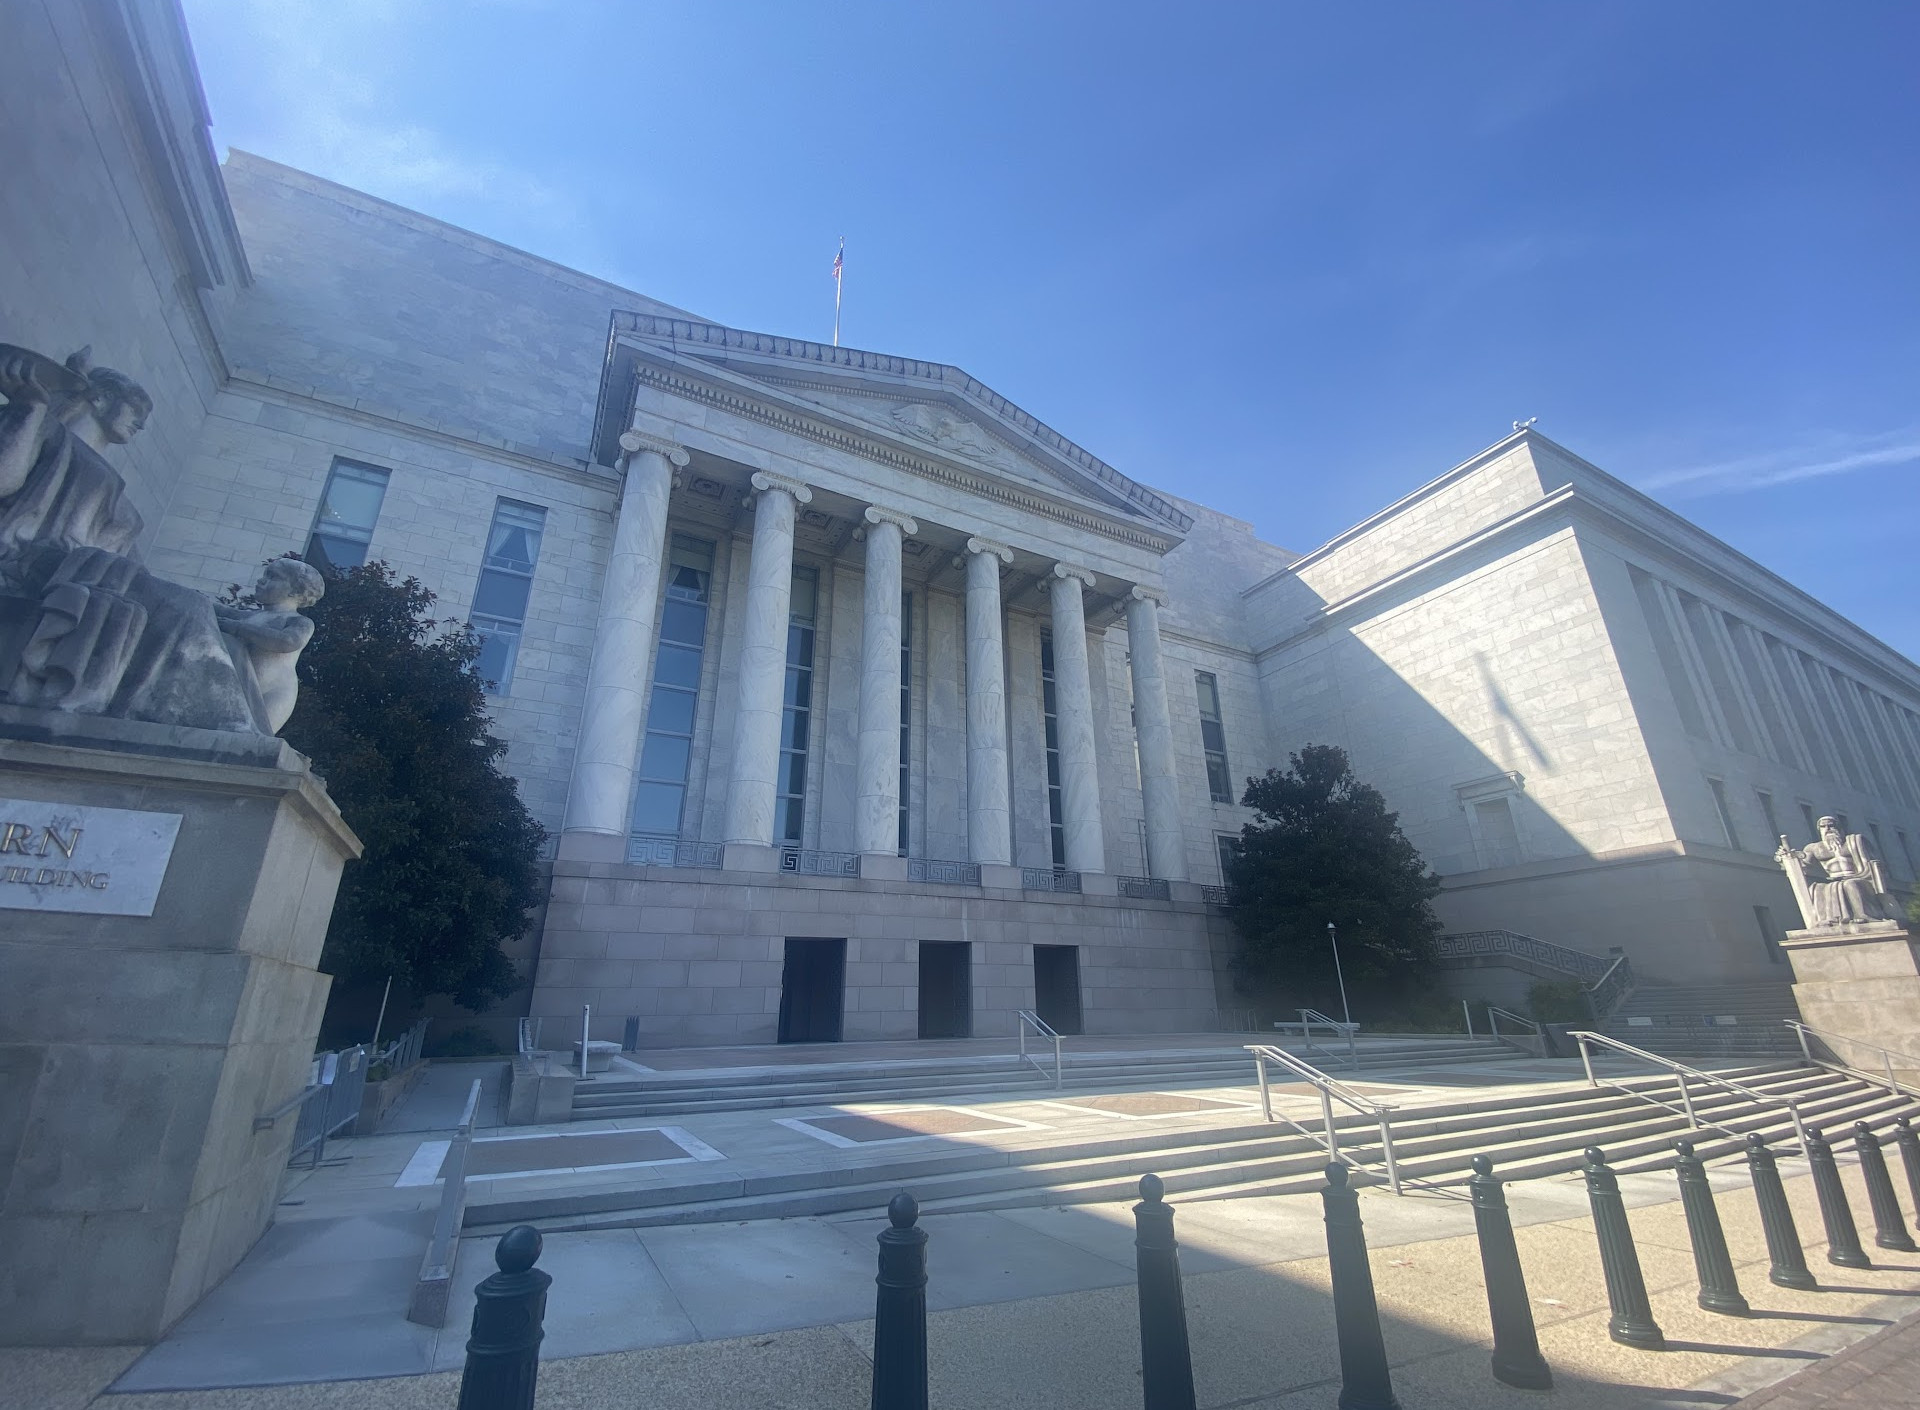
(1528,1134)
(988,1074)
(1712,1021)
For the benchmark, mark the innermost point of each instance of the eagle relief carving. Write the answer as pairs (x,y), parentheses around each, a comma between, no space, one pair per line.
(949,431)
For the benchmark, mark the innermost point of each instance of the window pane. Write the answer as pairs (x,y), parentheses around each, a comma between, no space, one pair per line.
(800,646)
(495,664)
(684,621)
(677,665)
(352,501)
(793,730)
(802,605)
(793,773)
(1209,695)
(656,807)
(792,819)
(514,539)
(665,757)
(501,595)
(1218,782)
(1213,736)
(330,554)
(671,710)
(799,688)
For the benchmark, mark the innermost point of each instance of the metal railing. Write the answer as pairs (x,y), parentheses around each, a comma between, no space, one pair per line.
(943,873)
(1044,1031)
(1144,888)
(1331,1090)
(1605,980)
(1606,992)
(431,1290)
(1311,1019)
(403,1052)
(1049,879)
(1684,1075)
(336,1083)
(1887,1055)
(1495,1013)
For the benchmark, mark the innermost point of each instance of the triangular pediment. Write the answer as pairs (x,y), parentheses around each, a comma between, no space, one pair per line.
(920,408)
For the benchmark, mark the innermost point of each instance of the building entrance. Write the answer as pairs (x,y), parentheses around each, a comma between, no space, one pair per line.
(1056,986)
(946,989)
(812,989)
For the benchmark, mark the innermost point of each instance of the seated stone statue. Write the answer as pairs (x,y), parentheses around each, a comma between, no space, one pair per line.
(56,488)
(266,640)
(1851,886)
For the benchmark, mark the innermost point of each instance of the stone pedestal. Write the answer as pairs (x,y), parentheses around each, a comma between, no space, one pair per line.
(160,993)
(1863,983)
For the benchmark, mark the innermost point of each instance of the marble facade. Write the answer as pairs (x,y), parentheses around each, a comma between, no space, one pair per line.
(1591,716)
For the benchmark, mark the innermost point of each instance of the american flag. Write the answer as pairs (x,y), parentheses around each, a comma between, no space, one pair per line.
(839,260)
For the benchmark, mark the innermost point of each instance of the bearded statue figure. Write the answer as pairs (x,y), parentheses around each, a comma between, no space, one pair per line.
(1849,885)
(84,627)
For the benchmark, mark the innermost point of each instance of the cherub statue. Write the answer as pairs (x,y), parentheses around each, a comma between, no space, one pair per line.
(266,639)
(1853,887)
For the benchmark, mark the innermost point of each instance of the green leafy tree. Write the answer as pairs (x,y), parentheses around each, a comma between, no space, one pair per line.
(394,718)
(1325,848)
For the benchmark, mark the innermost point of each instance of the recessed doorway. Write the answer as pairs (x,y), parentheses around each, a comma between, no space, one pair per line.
(946,989)
(813,988)
(1056,986)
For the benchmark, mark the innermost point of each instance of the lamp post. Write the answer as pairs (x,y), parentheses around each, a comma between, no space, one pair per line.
(1346,1014)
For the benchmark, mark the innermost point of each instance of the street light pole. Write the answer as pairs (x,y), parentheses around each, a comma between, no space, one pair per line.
(1333,939)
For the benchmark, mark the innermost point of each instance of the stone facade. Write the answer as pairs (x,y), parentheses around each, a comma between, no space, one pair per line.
(1561,686)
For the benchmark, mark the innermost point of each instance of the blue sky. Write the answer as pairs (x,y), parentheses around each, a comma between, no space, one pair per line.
(1288,260)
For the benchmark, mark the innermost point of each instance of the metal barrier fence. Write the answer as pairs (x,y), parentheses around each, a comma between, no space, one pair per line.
(336,1083)
(403,1052)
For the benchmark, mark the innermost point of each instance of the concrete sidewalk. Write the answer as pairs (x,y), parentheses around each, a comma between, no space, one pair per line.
(1033,1308)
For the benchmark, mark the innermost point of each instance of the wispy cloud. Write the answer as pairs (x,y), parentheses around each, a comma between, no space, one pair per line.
(323,75)
(1815,459)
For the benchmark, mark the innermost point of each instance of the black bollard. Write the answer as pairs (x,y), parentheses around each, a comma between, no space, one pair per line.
(1719,1289)
(1789,1268)
(900,1311)
(1166,1366)
(1910,1158)
(509,1316)
(1843,1240)
(1632,1322)
(1889,1225)
(1365,1383)
(1516,1348)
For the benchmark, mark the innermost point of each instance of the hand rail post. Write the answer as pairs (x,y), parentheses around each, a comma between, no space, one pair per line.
(1266,1097)
(1586,1060)
(1326,1115)
(1166,1363)
(1686,1102)
(1386,1151)
(1466,1010)
(1632,1321)
(1843,1239)
(1889,1225)
(1886,1061)
(1058,1080)
(586,1026)
(1800,1032)
(1799,1126)
(1365,1382)
(1719,1288)
(1516,1346)
(1789,1260)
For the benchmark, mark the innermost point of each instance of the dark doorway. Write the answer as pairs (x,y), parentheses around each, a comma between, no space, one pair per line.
(812,986)
(946,989)
(1056,986)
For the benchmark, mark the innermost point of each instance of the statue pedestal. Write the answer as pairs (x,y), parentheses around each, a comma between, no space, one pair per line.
(164,893)
(1861,981)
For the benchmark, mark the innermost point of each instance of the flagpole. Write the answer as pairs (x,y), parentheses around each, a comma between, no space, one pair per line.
(838,261)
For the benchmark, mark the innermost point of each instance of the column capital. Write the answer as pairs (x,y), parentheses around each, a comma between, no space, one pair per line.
(1143,593)
(993,546)
(764,480)
(633,442)
(1072,570)
(875,514)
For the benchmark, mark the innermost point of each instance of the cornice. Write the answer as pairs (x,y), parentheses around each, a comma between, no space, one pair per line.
(677,381)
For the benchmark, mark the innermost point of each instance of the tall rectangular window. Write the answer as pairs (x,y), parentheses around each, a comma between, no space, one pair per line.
(659,799)
(1228,847)
(1499,838)
(1725,810)
(1769,935)
(1813,823)
(1906,852)
(790,811)
(906,711)
(1213,738)
(506,578)
(1056,817)
(349,507)
(1766,811)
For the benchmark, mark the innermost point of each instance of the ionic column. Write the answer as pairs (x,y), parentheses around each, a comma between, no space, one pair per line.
(601,790)
(763,660)
(1073,713)
(876,810)
(1153,726)
(989,810)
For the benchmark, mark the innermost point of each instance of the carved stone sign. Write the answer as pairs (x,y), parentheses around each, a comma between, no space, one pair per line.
(94,861)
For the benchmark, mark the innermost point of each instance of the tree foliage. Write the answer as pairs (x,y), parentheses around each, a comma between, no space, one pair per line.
(394,718)
(1325,848)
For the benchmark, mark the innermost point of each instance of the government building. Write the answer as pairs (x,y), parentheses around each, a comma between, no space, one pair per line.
(858,701)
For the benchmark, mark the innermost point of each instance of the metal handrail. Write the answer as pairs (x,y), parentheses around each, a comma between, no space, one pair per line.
(1495,1013)
(1330,1089)
(1887,1055)
(1311,1019)
(1604,993)
(1030,1019)
(1682,1073)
